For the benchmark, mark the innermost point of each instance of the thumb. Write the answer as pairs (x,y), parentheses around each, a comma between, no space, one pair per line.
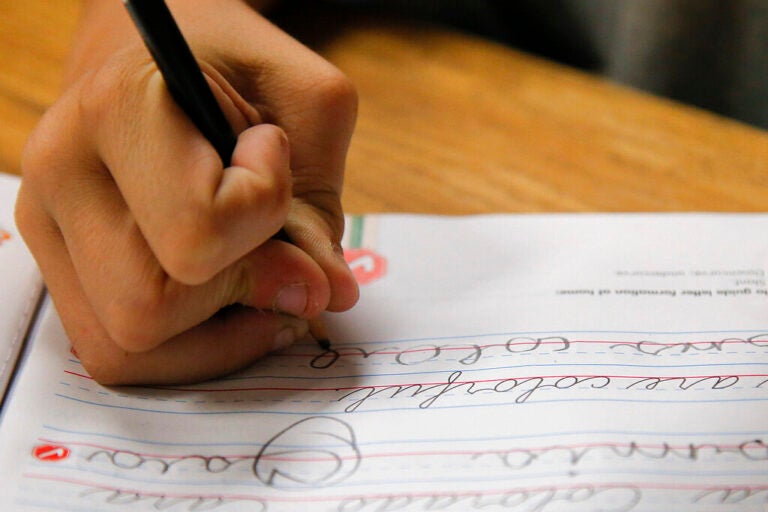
(250,204)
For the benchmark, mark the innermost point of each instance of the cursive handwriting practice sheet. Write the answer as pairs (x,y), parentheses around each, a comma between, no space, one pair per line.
(531,363)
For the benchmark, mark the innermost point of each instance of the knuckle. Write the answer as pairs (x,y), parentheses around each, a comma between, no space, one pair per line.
(336,95)
(39,150)
(105,361)
(132,323)
(24,214)
(108,364)
(191,251)
(34,224)
(107,371)
(44,147)
(99,93)
(105,90)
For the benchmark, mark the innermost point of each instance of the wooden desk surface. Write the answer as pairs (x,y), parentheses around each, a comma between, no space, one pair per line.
(451,124)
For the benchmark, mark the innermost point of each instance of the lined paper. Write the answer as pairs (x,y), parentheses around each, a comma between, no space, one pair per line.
(20,283)
(525,363)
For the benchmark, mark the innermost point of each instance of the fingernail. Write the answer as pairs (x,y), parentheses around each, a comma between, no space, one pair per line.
(292,299)
(293,329)
(284,339)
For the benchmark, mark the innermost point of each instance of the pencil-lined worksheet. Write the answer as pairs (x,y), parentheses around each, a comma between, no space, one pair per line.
(529,363)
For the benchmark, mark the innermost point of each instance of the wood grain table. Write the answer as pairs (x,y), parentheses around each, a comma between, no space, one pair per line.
(455,125)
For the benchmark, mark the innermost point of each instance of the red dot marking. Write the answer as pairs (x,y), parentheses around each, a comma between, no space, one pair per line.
(366,265)
(50,452)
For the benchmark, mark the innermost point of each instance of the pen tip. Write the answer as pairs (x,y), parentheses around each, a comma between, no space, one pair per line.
(318,331)
(324,343)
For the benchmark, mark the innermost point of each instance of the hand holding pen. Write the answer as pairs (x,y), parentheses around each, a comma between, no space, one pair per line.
(160,257)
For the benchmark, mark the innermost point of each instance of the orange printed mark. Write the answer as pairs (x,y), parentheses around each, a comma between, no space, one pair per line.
(366,265)
(50,452)
(4,236)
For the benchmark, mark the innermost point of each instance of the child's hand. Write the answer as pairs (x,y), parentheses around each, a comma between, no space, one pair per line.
(142,237)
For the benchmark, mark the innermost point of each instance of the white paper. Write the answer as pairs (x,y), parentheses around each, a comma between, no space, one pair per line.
(20,283)
(527,363)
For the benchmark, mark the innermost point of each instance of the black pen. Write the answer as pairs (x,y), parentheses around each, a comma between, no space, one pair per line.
(182,74)
(190,90)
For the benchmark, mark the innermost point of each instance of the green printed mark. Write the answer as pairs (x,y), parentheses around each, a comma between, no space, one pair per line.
(356,232)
